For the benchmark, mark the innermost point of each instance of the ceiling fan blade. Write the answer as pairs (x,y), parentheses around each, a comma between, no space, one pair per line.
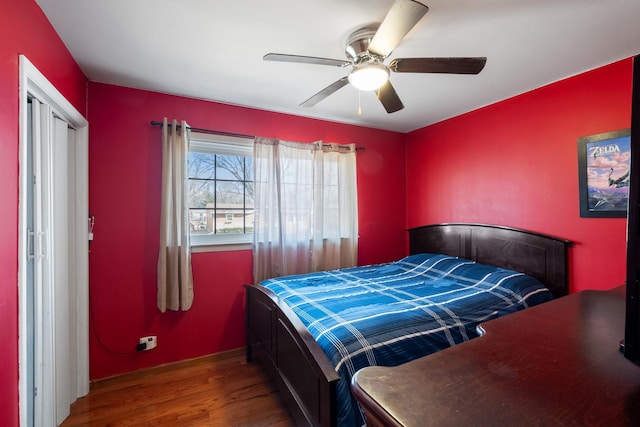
(281,57)
(326,92)
(438,65)
(389,98)
(401,18)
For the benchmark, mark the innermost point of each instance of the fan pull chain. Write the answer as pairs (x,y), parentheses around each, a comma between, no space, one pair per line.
(359,106)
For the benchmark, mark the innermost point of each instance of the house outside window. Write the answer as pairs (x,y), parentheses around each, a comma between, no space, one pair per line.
(221,207)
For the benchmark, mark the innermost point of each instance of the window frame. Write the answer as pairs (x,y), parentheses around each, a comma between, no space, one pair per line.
(220,145)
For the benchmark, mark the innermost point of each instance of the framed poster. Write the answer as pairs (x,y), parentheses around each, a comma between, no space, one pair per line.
(603,174)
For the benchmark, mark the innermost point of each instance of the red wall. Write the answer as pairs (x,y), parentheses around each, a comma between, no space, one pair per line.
(124,176)
(23,30)
(515,163)
(511,163)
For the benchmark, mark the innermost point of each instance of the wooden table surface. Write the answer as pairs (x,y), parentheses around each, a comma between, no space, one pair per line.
(550,365)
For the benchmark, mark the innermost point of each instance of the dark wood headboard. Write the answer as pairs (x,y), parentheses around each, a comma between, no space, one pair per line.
(541,256)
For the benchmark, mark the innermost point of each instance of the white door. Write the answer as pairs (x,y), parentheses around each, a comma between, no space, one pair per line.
(53,270)
(63,307)
(42,322)
(54,312)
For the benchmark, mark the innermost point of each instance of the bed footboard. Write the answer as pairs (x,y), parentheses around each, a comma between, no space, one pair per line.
(293,360)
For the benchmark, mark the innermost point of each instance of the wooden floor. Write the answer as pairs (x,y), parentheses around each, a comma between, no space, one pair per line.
(218,390)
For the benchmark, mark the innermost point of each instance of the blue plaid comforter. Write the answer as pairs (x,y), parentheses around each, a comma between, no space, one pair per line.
(392,313)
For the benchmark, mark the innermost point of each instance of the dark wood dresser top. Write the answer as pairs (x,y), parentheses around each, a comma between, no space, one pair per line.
(554,364)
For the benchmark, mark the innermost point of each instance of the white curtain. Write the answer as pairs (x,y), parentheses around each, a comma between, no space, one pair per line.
(175,281)
(306,208)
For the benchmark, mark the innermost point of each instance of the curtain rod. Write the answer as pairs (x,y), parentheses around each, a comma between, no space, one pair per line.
(213,132)
(237,135)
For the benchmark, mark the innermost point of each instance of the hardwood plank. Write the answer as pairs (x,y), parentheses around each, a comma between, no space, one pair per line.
(216,390)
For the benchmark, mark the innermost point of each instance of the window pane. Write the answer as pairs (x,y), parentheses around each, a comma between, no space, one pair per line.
(230,167)
(248,198)
(248,218)
(200,221)
(229,221)
(230,194)
(248,161)
(201,193)
(201,165)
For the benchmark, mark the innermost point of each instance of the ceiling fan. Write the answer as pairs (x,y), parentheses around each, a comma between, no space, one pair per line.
(368,47)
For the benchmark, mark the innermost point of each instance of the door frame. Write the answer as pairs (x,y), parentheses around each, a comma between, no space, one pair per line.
(34,83)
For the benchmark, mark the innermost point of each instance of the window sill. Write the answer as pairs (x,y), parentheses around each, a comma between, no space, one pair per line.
(226,247)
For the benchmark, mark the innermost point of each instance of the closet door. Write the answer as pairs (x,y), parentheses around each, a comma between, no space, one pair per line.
(53,252)
(43,408)
(54,313)
(63,306)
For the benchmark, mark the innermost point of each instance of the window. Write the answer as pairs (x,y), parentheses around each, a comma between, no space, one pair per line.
(221,208)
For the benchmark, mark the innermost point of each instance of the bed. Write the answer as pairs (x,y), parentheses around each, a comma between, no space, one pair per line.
(310,387)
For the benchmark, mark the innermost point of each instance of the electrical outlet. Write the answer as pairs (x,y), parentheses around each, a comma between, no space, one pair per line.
(149,342)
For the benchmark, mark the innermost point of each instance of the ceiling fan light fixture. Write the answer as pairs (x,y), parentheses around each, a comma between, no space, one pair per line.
(369,76)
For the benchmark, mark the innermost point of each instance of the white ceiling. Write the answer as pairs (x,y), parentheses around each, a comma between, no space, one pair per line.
(213,49)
